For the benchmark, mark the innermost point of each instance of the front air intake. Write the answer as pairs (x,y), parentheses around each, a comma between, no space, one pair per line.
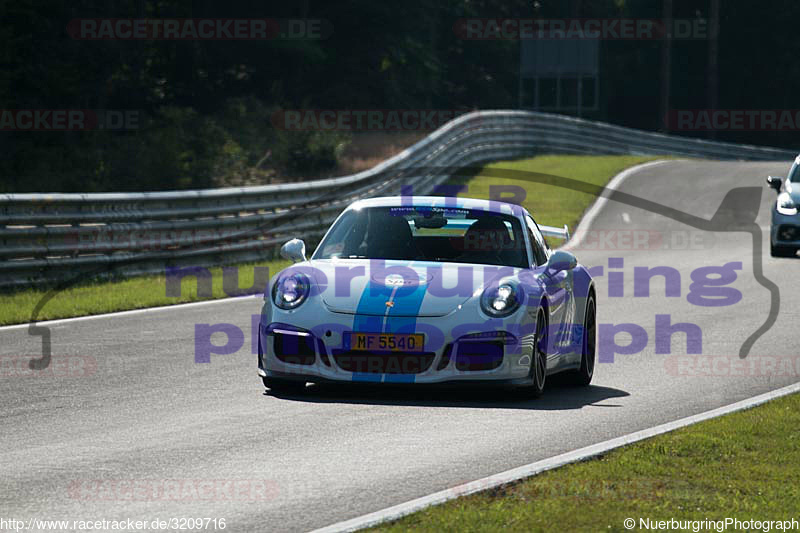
(293,348)
(475,356)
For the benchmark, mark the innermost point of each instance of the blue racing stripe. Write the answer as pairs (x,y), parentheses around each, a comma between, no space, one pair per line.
(407,301)
(374,316)
(363,376)
(371,308)
(399,378)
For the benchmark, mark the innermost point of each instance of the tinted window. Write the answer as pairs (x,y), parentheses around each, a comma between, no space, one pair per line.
(427,234)
(537,242)
(794,174)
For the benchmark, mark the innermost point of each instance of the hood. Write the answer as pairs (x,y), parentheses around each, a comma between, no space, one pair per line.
(400,288)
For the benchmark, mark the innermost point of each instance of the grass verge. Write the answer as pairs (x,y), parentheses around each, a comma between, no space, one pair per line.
(741,466)
(550,205)
(99,297)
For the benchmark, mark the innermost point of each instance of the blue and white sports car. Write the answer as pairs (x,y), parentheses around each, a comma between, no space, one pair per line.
(784,235)
(429,290)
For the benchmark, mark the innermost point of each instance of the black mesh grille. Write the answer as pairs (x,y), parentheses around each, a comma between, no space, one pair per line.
(788,233)
(294,349)
(383,362)
(479,355)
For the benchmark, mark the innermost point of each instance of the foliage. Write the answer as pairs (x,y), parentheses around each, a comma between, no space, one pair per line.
(204,106)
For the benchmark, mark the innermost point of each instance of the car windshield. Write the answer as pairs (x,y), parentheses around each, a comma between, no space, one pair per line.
(426,234)
(794,173)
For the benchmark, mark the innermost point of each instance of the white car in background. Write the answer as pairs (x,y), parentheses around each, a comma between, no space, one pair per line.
(785,228)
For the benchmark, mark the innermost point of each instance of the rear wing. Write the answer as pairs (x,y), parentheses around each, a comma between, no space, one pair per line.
(550,231)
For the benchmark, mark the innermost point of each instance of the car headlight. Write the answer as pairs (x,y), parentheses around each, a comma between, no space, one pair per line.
(291,290)
(501,300)
(786,205)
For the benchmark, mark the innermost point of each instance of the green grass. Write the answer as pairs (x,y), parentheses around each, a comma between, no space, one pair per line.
(745,465)
(552,205)
(107,296)
(549,205)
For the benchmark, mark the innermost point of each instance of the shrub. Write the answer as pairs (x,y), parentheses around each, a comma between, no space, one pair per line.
(309,151)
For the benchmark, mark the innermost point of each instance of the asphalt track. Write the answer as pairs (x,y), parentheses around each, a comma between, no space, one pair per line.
(148,413)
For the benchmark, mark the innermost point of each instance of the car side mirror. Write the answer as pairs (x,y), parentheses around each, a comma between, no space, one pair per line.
(775,182)
(294,250)
(560,260)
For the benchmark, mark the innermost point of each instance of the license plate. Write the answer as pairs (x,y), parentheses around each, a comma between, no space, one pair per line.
(389,342)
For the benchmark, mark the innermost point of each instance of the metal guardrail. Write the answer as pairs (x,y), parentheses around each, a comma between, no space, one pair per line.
(52,237)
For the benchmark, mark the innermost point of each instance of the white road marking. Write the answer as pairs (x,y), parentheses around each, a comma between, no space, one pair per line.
(588,219)
(509,476)
(115,314)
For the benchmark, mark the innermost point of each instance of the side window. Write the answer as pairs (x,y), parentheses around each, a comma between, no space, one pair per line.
(540,254)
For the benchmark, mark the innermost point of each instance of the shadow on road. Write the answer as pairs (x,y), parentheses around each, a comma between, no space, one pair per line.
(556,397)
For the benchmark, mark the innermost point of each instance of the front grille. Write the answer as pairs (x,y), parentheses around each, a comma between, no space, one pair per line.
(383,362)
(294,349)
(478,355)
(788,233)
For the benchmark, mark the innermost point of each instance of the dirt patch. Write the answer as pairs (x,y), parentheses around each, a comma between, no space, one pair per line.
(368,149)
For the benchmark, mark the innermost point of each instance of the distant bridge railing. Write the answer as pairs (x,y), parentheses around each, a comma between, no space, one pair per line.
(49,238)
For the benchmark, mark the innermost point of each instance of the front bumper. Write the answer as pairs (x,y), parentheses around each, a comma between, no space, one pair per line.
(785,229)
(309,346)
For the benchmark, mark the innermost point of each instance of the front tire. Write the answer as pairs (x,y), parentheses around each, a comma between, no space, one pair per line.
(781,251)
(583,376)
(538,372)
